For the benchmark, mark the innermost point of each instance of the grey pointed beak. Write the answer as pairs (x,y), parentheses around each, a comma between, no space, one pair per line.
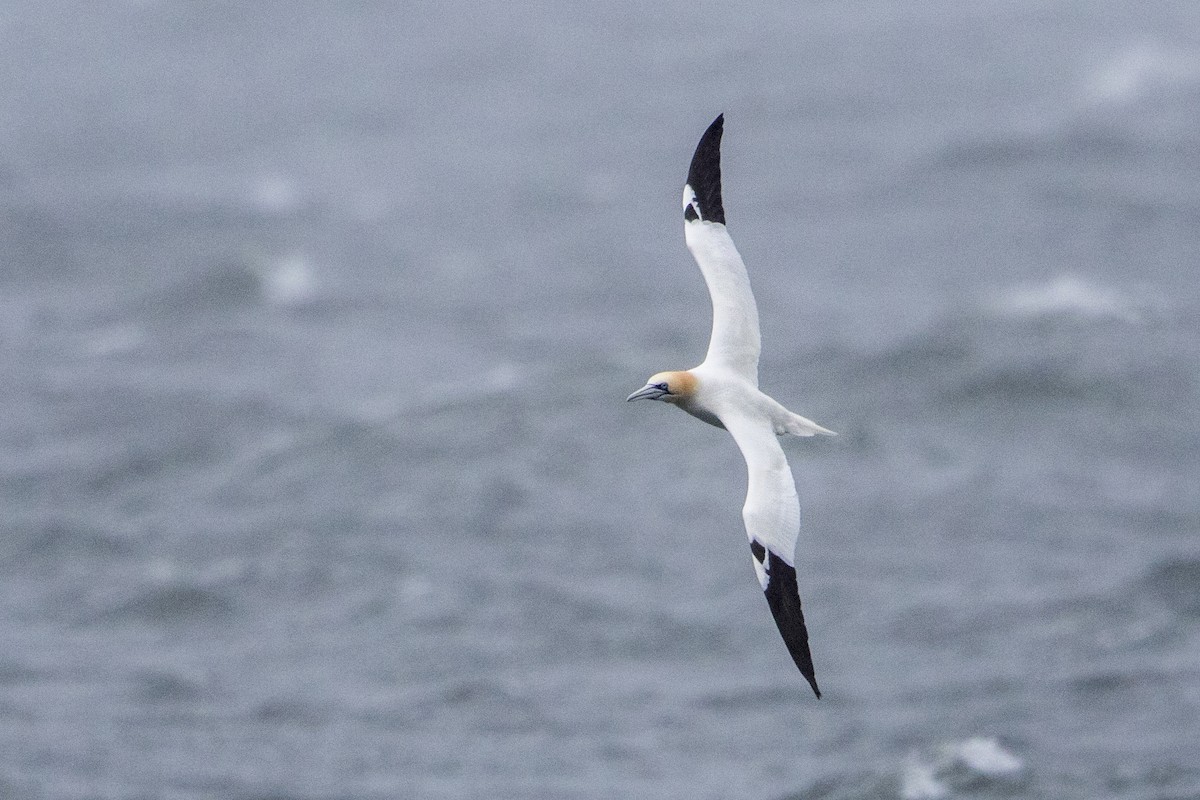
(647,392)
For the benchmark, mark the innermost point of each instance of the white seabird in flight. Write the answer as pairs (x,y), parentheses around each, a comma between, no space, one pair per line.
(723,391)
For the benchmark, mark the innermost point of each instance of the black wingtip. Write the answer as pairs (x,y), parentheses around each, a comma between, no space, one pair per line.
(704,175)
(783,597)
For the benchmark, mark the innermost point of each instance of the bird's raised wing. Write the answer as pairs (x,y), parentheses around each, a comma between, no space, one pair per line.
(735,341)
(772,518)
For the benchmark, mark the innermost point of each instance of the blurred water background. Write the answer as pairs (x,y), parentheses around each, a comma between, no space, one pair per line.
(317,322)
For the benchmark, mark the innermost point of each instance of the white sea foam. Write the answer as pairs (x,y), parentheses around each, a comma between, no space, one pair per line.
(276,194)
(918,781)
(1069,295)
(1141,69)
(288,281)
(115,339)
(985,756)
(934,776)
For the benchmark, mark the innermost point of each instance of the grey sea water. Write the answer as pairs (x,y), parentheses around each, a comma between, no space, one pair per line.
(316,475)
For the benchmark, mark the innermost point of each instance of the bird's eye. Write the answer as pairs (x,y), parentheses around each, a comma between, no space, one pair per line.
(662,386)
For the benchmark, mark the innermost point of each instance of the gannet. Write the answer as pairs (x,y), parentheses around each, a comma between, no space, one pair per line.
(723,391)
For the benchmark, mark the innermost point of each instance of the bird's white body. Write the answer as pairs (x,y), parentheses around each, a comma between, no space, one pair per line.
(726,393)
(723,391)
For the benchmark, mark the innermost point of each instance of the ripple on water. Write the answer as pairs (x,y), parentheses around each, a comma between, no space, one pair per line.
(172,604)
(1176,582)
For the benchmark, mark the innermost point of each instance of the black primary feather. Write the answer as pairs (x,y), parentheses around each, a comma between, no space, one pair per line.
(704,175)
(783,596)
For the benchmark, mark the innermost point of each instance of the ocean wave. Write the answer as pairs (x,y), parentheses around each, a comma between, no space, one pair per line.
(1072,297)
(969,765)
(1176,582)
(1129,126)
(1102,682)
(35,246)
(606,624)
(174,603)
(979,765)
(1016,150)
(1062,340)
(1032,382)
(227,284)
(169,686)
(13,673)
(492,705)
(287,280)
(1140,70)
(51,540)
(859,786)
(291,710)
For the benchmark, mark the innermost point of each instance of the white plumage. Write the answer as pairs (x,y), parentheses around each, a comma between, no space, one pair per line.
(723,391)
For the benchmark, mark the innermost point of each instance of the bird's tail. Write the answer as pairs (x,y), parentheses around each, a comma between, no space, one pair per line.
(800,426)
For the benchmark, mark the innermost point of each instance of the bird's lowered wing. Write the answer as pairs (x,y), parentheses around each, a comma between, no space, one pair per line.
(772,518)
(735,341)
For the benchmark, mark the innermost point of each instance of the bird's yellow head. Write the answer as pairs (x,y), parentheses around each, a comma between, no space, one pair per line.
(670,387)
